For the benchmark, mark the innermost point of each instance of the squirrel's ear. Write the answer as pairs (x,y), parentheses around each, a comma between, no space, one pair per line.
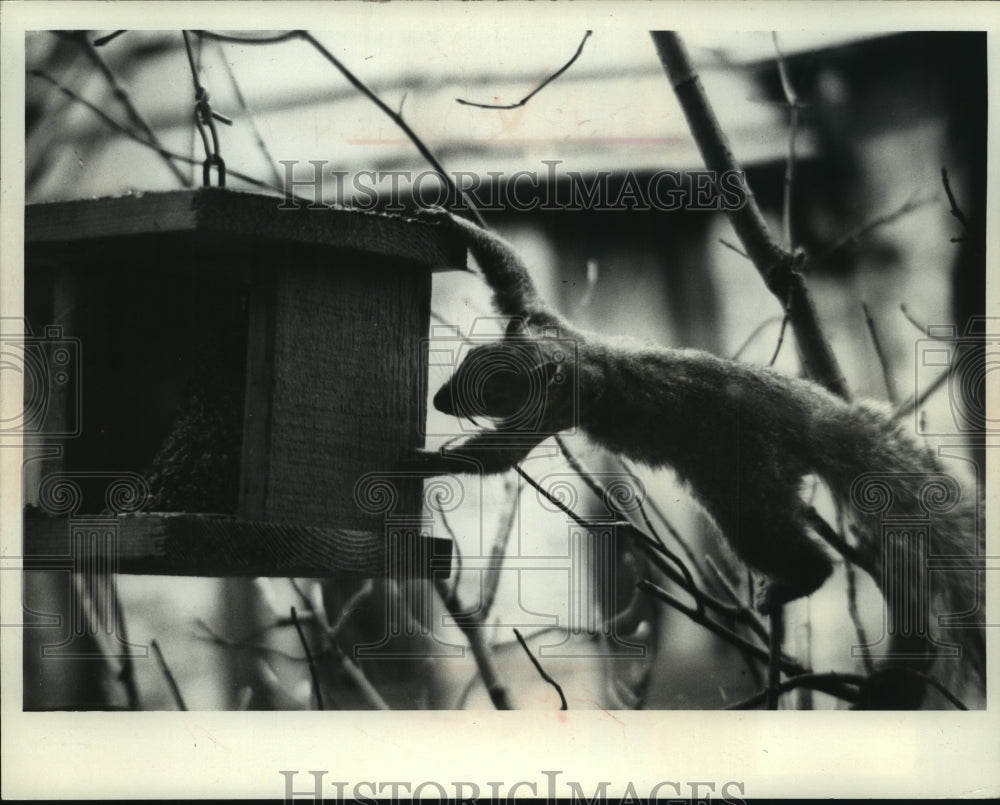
(517,326)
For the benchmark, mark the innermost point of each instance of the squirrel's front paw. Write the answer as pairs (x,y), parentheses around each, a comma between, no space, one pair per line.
(419,459)
(431,462)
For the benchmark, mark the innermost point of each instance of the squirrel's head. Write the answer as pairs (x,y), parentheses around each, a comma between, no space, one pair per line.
(520,381)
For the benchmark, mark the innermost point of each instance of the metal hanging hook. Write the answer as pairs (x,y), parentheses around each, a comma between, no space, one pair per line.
(204,118)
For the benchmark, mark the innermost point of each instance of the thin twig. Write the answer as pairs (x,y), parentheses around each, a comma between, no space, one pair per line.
(955,210)
(787,308)
(425,152)
(678,538)
(164,152)
(360,680)
(787,664)
(537,89)
(852,610)
(914,401)
(168,675)
(792,102)
(350,606)
(97,597)
(103,40)
(844,548)
(774,657)
(733,593)
(249,116)
(463,697)
(804,697)
(259,648)
(923,677)
(347,665)
(126,674)
(912,320)
(541,671)
(491,580)
(724,583)
(313,671)
(123,98)
(652,550)
(890,385)
(628,618)
(198,88)
(239,39)
(480,651)
(279,623)
(781,339)
(855,235)
(734,248)
(820,682)
(598,489)
(459,562)
(756,331)
(650,527)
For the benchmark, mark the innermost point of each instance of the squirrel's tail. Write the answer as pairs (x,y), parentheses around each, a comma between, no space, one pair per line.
(919,534)
(514,293)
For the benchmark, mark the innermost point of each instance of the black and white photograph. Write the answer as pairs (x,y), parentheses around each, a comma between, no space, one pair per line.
(629,368)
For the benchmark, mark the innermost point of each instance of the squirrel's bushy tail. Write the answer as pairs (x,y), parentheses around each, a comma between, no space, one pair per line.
(918,532)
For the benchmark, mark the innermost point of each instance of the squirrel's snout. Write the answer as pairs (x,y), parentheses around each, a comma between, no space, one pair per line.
(443,400)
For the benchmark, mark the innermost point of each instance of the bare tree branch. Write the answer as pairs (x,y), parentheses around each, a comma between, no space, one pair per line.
(822,682)
(175,690)
(313,672)
(792,102)
(890,385)
(734,248)
(541,671)
(774,658)
(785,663)
(757,331)
(778,267)
(491,579)
(114,125)
(856,235)
(120,94)
(537,89)
(103,40)
(913,402)
(852,609)
(955,210)
(480,651)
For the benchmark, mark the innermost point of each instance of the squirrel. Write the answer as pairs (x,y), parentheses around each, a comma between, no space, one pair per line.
(742,437)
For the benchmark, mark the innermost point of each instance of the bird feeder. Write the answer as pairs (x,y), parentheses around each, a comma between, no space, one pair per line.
(223,387)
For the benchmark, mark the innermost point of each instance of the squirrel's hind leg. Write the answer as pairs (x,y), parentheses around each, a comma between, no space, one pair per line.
(775,539)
